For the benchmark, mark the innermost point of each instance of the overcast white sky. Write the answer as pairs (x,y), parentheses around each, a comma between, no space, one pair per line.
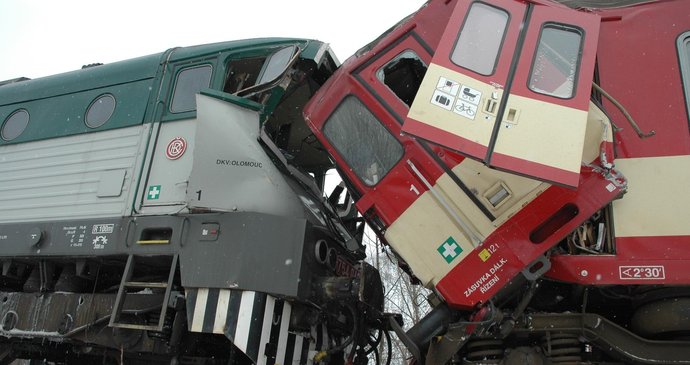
(44,37)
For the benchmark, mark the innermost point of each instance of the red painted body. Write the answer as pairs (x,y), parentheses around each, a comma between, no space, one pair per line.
(636,61)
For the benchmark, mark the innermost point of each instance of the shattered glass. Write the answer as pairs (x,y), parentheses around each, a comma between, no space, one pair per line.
(367,146)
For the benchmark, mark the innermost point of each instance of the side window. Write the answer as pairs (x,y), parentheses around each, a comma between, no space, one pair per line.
(100,110)
(556,61)
(187,84)
(276,64)
(403,75)
(365,144)
(14,125)
(246,72)
(684,57)
(242,73)
(480,38)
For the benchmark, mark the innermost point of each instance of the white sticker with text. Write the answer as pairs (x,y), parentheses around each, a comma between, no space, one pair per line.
(652,272)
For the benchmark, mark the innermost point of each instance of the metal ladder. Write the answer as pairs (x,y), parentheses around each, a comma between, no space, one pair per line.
(126,284)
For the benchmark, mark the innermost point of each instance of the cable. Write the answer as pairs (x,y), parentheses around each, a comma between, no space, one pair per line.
(355,328)
(390,347)
(377,356)
(374,344)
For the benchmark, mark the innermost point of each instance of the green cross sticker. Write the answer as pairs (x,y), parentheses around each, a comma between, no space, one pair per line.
(449,250)
(154,192)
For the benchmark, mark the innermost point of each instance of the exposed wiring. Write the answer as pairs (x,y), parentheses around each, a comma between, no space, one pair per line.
(375,343)
(377,356)
(390,347)
(320,356)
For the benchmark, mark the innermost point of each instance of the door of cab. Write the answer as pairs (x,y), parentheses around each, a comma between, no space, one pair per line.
(509,85)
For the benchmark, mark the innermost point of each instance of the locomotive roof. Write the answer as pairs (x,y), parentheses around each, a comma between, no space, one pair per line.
(141,68)
(57,105)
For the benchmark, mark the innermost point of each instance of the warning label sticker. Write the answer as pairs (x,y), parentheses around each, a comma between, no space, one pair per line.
(444,100)
(470,95)
(465,109)
(462,100)
(448,86)
(444,95)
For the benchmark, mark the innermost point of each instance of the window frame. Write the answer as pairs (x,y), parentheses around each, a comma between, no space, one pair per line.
(380,72)
(93,102)
(180,71)
(500,45)
(267,62)
(683,49)
(346,158)
(7,120)
(576,75)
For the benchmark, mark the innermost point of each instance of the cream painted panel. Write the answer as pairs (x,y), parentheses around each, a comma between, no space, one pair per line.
(545,133)
(657,200)
(481,180)
(462,204)
(418,233)
(598,130)
(477,130)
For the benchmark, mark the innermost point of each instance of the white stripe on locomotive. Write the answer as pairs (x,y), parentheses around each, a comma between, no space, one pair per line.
(221,311)
(244,320)
(304,344)
(199,310)
(266,330)
(284,327)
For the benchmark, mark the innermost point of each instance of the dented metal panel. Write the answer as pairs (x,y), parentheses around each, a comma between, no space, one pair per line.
(231,171)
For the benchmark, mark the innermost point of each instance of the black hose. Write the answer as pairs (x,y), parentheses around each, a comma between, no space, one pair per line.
(347,342)
(374,344)
(390,347)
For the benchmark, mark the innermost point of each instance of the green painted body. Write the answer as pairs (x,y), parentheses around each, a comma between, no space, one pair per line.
(142,88)
(198,156)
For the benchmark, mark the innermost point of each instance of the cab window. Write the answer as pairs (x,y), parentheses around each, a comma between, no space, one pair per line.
(242,73)
(369,149)
(188,83)
(247,72)
(276,64)
(403,75)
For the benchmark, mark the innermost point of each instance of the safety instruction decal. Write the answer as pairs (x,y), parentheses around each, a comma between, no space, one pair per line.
(154,192)
(452,96)
(444,95)
(449,250)
(100,242)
